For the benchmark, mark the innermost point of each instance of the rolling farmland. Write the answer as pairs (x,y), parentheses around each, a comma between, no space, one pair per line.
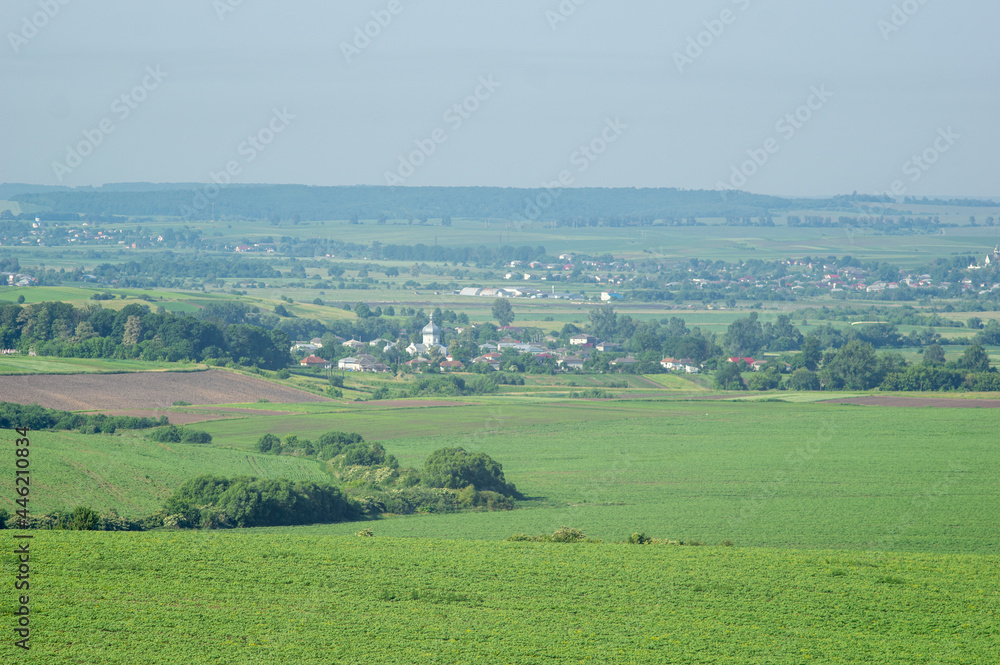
(756,473)
(288,595)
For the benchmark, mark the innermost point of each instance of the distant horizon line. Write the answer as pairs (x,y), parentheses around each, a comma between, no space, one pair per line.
(935,197)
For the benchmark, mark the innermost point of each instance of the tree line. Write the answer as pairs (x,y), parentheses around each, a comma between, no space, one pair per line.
(135,332)
(35,417)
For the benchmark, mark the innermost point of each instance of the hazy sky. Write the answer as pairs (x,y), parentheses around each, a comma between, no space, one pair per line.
(124,91)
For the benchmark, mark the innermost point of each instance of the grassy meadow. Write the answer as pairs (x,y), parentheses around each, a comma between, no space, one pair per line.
(758,473)
(290,595)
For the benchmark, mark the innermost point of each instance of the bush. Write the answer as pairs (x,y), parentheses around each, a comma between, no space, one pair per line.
(592,393)
(83,518)
(283,374)
(216,502)
(332,444)
(171,434)
(565,534)
(639,539)
(268,443)
(455,468)
(195,436)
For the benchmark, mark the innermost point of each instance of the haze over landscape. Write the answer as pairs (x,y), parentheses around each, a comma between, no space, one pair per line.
(696,85)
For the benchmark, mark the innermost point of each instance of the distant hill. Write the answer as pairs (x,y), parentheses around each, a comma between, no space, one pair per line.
(286,202)
(369,202)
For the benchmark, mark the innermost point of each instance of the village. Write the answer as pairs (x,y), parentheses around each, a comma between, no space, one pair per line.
(430,352)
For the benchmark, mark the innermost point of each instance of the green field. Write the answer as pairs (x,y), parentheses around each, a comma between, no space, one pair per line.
(290,595)
(758,473)
(133,475)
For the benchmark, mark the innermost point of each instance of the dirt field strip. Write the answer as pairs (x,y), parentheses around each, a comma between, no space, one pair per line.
(938,402)
(146,390)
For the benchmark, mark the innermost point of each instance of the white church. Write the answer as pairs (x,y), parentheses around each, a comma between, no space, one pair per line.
(431,343)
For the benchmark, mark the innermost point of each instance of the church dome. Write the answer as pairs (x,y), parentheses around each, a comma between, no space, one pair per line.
(431,328)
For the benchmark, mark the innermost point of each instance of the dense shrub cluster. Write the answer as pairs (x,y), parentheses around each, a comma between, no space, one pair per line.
(455,468)
(217,502)
(174,434)
(37,417)
(355,451)
(81,518)
(563,534)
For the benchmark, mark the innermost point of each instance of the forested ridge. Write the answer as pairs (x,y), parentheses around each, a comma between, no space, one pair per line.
(370,202)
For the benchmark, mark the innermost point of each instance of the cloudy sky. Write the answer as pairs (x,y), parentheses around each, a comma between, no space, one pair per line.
(774,96)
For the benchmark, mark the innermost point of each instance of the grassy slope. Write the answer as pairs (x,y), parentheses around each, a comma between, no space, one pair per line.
(290,596)
(131,474)
(804,475)
(801,475)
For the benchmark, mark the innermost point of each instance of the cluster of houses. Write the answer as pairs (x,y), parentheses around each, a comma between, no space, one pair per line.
(566,264)
(757,365)
(256,247)
(19,279)
(567,359)
(516,292)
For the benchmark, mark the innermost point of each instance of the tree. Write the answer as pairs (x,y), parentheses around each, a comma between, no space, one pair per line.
(745,337)
(855,367)
(728,377)
(603,322)
(503,312)
(803,379)
(811,353)
(269,443)
(975,359)
(133,329)
(934,355)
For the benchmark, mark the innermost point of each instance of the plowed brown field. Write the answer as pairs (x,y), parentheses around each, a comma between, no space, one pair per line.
(145,390)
